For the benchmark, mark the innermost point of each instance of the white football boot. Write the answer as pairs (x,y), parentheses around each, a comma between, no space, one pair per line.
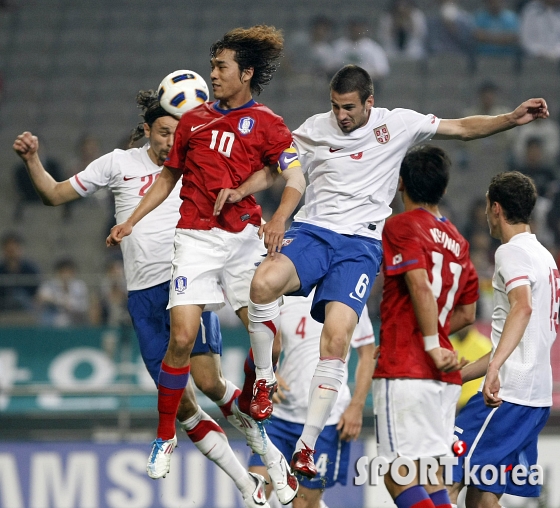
(160,458)
(257,499)
(283,481)
(254,432)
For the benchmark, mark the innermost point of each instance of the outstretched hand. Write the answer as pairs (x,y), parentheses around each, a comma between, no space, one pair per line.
(530,110)
(273,232)
(26,145)
(117,233)
(226,196)
(446,360)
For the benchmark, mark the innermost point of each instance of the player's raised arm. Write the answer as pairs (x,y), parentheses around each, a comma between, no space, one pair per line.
(290,169)
(481,126)
(157,194)
(51,192)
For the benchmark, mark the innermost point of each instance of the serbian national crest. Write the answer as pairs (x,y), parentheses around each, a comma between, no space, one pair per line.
(382,134)
(246,125)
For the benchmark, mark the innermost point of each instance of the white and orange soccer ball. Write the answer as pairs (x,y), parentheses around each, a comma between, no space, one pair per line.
(182,90)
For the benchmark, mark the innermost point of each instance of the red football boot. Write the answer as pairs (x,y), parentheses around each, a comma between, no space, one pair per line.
(261,403)
(302,462)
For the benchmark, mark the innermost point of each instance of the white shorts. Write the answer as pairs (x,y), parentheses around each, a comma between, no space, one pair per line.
(414,417)
(207,265)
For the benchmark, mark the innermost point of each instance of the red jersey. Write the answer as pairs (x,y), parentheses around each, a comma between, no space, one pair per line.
(218,149)
(411,240)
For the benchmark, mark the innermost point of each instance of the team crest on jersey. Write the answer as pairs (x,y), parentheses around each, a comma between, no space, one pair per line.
(246,125)
(382,134)
(397,259)
(180,284)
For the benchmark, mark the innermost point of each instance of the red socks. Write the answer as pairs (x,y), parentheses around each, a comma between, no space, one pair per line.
(171,384)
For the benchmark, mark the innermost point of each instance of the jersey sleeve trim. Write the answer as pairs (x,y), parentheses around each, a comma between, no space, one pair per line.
(517,278)
(78,186)
(402,265)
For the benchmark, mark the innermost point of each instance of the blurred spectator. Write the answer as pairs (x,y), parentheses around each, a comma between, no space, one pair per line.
(472,345)
(87,150)
(535,166)
(25,192)
(64,299)
(402,30)
(549,134)
(311,52)
(113,296)
(553,223)
(540,29)
(19,277)
(450,29)
(488,102)
(359,49)
(496,30)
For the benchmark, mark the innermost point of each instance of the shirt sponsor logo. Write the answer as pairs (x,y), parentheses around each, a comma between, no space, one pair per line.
(180,284)
(246,125)
(382,134)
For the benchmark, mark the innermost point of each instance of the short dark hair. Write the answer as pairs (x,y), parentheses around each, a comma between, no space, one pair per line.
(352,78)
(516,193)
(425,174)
(258,47)
(148,102)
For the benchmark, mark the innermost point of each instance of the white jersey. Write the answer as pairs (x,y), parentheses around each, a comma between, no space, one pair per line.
(300,345)
(129,174)
(353,177)
(526,376)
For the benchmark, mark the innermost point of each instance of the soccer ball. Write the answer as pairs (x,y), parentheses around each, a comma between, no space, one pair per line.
(182,90)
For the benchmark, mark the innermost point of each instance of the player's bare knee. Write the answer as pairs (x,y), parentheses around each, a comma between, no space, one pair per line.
(334,346)
(262,289)
(209,385)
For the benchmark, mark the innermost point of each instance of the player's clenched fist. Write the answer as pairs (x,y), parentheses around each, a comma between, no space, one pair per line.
(26,145)
(117,233)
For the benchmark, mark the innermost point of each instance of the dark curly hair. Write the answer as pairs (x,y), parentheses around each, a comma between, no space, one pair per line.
(148,101)
(517,195)
(259,47)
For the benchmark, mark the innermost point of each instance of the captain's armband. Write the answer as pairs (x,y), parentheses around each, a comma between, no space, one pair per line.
(288,159)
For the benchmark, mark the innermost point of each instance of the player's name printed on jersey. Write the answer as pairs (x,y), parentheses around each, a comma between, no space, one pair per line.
(448,243)
(372,471)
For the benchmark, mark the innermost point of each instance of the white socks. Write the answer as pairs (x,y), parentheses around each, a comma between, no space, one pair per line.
(264,322)
(210,439)
(325,384)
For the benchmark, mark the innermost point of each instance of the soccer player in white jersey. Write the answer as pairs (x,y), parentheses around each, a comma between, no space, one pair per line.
(300,346)
(501,423)
(352,156)
(147,261)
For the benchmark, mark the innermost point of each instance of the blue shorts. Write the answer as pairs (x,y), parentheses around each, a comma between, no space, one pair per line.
(332,455)
(501,437)
(150,319)
(342,267)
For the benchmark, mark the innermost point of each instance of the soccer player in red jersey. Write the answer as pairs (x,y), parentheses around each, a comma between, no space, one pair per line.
(218,146)
(430,290)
